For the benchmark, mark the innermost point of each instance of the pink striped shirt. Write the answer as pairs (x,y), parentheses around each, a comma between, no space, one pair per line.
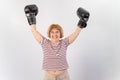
(54,54)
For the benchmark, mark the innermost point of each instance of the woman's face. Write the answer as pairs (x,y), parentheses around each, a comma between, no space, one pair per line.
(55,34)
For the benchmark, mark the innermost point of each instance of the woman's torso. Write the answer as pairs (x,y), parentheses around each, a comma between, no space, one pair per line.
(55,55)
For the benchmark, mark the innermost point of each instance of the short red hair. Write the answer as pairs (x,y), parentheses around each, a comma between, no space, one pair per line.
(56,26)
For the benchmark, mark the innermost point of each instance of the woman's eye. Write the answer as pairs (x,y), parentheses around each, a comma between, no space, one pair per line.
(52,32)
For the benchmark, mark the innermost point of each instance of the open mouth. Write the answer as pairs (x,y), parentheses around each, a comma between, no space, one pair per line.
(55,37)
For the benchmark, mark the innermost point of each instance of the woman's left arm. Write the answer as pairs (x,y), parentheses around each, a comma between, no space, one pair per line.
(82,23)
(74,35)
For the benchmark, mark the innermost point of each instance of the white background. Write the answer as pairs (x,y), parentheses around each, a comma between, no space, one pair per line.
(95,55)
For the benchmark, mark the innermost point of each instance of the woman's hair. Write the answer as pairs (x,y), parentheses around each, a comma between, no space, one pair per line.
(56,26)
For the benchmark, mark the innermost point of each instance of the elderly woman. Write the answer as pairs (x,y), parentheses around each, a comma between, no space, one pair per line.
(54,48)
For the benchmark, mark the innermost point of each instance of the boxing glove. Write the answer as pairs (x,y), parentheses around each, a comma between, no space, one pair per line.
(84,16)
(31,12)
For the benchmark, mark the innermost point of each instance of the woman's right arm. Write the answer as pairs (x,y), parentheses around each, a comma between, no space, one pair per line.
(35,33)
(31,11)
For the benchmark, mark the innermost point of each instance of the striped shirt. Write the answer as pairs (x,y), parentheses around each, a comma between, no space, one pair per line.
(54,54)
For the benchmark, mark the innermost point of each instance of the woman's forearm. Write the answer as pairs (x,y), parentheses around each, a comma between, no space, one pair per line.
(74,35)
(35,33)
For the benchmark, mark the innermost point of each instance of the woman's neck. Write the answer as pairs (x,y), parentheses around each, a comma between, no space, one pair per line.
(54,41)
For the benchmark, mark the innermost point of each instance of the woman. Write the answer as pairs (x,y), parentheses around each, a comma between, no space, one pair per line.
(54,62)
(54,48)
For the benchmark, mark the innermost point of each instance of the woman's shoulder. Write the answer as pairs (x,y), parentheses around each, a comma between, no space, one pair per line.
(65,40)
(45,40)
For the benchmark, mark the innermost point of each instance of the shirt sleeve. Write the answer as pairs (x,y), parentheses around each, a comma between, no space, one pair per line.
(44,41)
(66,41)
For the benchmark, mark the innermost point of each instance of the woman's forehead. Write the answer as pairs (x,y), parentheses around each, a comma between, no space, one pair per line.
(54,29)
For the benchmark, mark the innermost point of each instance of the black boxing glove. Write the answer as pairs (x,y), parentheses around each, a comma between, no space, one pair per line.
(82,23)
(84,16)
(31,12)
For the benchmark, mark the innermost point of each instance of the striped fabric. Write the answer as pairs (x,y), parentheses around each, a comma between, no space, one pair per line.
(54,54)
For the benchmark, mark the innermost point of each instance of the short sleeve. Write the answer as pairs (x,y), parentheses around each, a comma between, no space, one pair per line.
(66,41)
(44,41)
